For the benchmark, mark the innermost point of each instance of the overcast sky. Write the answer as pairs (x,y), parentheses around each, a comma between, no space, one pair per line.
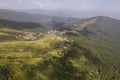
(77,7)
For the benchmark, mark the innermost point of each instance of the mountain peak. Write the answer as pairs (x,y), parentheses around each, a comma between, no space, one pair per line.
(103,18)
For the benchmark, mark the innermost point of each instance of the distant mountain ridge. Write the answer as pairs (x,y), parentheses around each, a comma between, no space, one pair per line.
(97,25)
(46,12)
(19,25)
(23,16)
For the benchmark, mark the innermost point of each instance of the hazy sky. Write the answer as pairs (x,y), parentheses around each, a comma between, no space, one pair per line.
(93,7)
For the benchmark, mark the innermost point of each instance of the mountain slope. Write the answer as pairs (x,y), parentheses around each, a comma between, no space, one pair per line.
(106,25)
(101,26)
(14,30)
(76,50)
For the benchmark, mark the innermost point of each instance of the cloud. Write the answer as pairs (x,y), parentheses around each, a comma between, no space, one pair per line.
(39,4)
(19,1)
(53,0)
(56,5)
(3,5)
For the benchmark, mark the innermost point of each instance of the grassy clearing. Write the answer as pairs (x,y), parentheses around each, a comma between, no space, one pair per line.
(28,49)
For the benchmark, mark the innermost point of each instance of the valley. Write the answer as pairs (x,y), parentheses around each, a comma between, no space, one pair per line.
(59,48)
